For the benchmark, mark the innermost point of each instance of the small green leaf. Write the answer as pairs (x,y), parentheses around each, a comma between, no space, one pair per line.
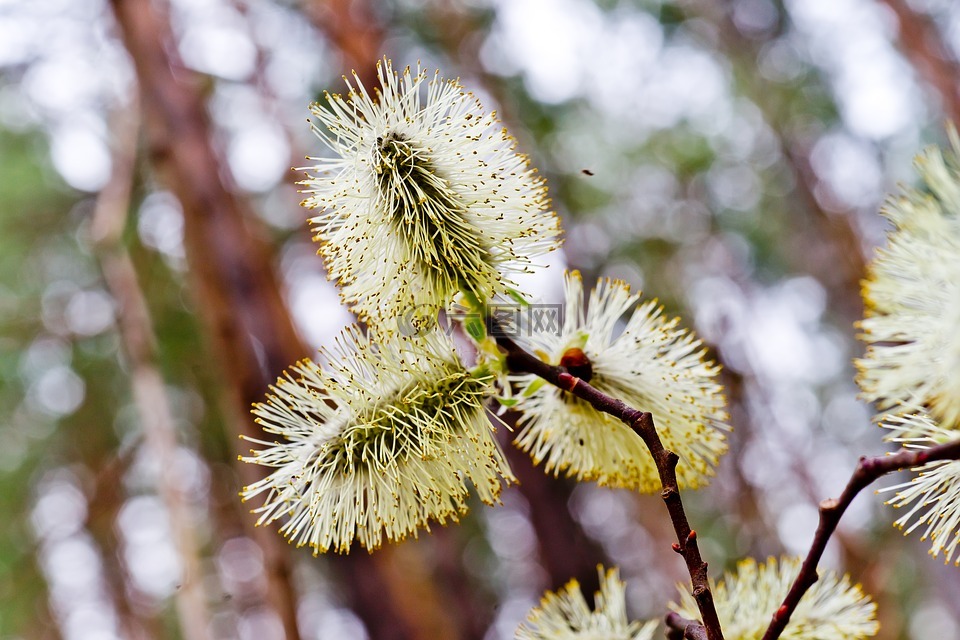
(482,372)
(532,387)
(473,302)
(475,328)
(581,341)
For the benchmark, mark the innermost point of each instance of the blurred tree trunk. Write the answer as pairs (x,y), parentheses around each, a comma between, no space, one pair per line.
(565,550)
(922,43)
(149,390)
(352,28)
(238,296)
(104,508)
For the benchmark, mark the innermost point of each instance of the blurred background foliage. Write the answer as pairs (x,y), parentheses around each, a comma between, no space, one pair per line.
(156,273)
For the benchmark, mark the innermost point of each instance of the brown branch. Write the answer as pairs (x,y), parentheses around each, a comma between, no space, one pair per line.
(239,301)
(641,422)
(352,28)
(679,628)
(564,549)
(922,43)
(139,345)
(237,292)
(832,509)
(106,499)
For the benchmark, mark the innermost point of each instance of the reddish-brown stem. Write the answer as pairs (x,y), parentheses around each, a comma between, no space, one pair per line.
(679,628)
(641,422)
(831,510)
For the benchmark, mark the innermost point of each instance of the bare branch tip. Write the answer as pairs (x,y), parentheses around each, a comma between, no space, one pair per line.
(567,381)
(829,504)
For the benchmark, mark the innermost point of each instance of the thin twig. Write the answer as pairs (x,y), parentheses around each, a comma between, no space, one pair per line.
(831,510)
(641,422)
(679,628)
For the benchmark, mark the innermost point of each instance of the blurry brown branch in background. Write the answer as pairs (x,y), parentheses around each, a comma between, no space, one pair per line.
(564,548)
(139,346)
(352,28)
(239,301)
(238,295)
(106,501)
(679,628)
(831,510)
(922,43)
(519,361)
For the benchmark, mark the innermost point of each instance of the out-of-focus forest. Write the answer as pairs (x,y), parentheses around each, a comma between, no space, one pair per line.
(157,273)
